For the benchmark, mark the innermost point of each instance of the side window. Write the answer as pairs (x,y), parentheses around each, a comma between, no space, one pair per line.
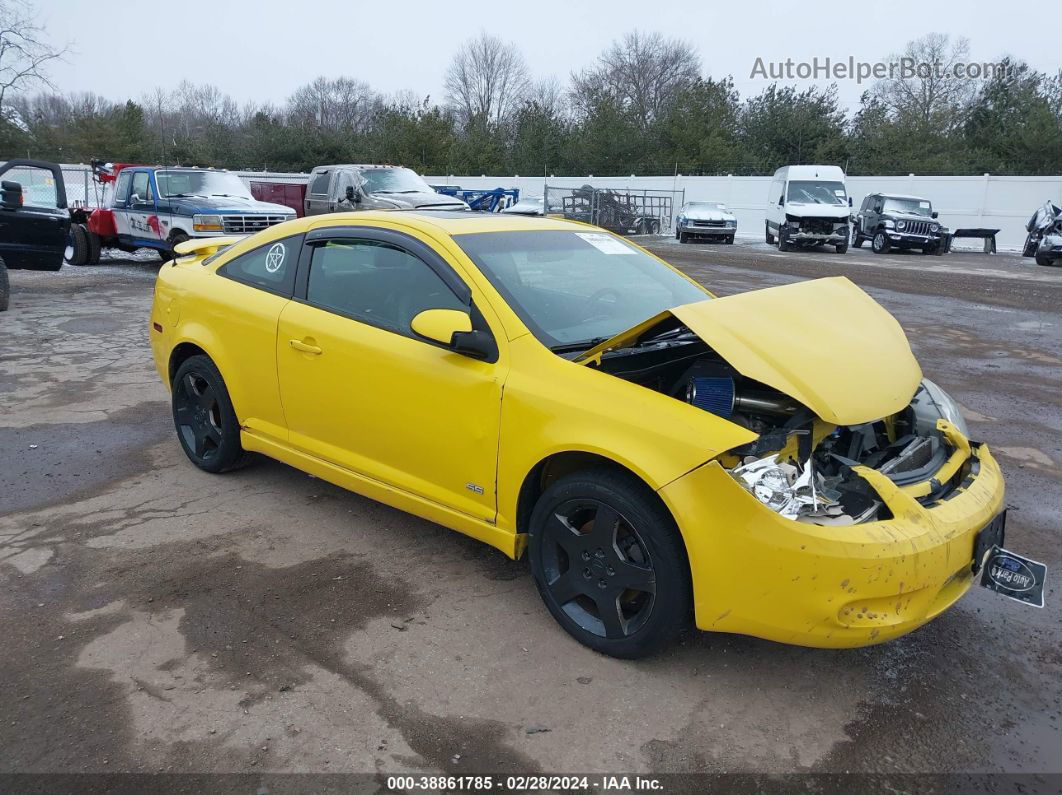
(376,283)
(270,267)
(344,180)
(121,189)
(140,186)
(38,186)
(319,186)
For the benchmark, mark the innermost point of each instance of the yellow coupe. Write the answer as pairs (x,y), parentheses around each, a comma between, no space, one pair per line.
(770,463)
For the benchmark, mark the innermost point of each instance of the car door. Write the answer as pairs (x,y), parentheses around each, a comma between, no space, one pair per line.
(241,309)
(317,195)
(142,214)
(362,391)
(34,234)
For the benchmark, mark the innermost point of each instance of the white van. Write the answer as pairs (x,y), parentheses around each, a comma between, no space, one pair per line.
(808,206)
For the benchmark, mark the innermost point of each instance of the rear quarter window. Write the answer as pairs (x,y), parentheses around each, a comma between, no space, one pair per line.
(270,267)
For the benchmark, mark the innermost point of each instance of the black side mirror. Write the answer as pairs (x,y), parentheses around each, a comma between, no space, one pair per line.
(474,344)
(934,214)
(10,195)
(849,201)
(352,195)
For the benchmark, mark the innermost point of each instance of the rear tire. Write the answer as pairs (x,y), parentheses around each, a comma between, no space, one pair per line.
(77,253)
(5,287)
(204,418)
(610,563)
(95,245)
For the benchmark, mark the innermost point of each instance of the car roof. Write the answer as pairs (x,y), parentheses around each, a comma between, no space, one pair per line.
(451,222)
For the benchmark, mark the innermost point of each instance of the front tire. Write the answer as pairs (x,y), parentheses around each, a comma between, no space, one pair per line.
(767,235)
(204,418)
(1045,260)
(684,237)
(610,564)
(880,244)
(842,248)
(783,240)
(729,239)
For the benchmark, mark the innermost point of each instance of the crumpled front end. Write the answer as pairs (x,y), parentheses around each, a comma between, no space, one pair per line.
(757,572)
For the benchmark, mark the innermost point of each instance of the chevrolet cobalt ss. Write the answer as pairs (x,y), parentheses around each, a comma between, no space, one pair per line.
(771,463)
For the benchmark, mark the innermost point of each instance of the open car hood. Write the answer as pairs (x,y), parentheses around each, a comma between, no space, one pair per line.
(825,343)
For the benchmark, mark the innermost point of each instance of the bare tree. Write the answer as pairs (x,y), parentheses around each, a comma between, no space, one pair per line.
(642,72)
(933,93)
(334,104)
(24,53)
(487,79)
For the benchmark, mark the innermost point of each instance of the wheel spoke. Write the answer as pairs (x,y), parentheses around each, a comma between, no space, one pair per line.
(566,587)
(564,534)
(606,521)
(184,413)
(206,398)
(632,577)
(611,616)
(200,441)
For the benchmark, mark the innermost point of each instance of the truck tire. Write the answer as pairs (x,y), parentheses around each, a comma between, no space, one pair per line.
(783,240)
(176,238)
(1031,243)
(94,246)
(5,287)
(1046,260)
(77,252)
(767,234)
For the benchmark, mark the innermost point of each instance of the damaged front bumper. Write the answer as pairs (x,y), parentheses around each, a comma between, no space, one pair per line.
(758,573)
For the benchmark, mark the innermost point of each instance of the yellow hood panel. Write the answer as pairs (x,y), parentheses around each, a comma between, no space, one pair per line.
(824,342)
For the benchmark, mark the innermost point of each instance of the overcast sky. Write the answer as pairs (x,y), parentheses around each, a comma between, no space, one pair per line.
(261,50)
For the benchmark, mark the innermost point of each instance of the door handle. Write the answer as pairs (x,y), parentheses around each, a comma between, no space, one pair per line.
(304,347)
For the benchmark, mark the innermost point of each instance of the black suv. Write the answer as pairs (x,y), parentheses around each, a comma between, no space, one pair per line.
(890,221)
(34,221)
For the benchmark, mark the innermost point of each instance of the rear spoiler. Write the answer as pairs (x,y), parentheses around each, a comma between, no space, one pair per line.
(205,246)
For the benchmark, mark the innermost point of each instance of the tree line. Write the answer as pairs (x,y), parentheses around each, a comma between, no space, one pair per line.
(644,107)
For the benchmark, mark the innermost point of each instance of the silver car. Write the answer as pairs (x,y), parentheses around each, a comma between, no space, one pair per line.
(705,219)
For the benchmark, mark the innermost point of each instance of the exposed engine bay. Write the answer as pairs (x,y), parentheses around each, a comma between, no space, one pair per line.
(799,466)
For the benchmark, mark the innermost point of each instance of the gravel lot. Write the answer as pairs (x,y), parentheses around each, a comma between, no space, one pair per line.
(155,617)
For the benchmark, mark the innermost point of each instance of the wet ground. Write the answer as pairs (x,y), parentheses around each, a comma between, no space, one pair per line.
(153,617)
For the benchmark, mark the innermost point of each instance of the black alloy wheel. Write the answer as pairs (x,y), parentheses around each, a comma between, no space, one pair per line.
(597,569)
(609,563)
(203,416)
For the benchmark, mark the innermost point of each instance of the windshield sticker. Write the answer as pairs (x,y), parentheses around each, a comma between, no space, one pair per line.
(275,257)
(924,205)
(606,244)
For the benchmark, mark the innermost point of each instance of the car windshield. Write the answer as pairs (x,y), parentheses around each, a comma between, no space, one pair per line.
(575,289)
(909,206)
(813,192)
(200,183)
(393,180)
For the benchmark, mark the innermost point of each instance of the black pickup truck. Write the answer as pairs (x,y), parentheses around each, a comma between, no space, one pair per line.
(34,220)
